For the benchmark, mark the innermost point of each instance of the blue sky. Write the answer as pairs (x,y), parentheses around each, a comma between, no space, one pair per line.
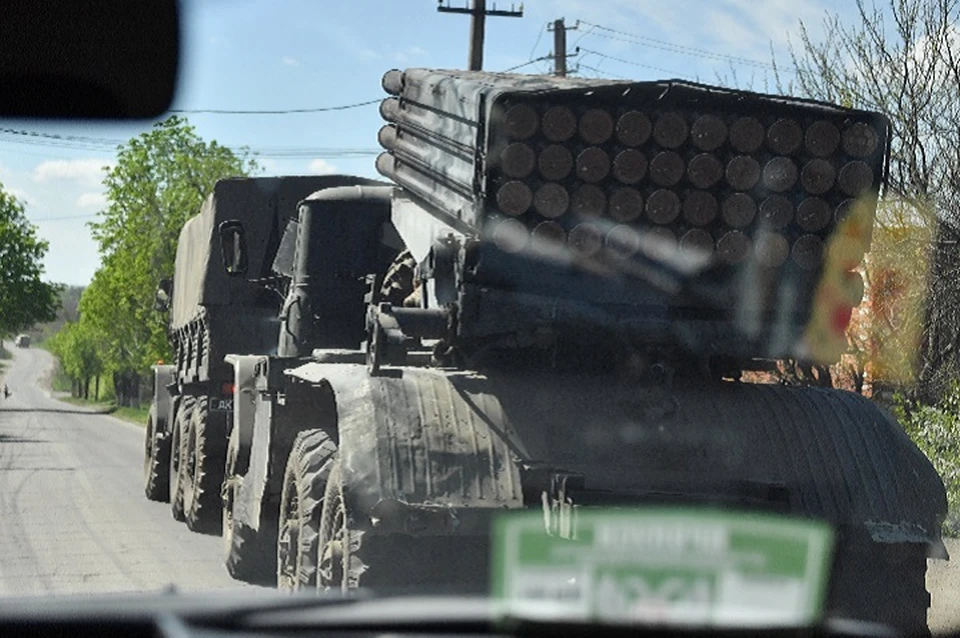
(290,54)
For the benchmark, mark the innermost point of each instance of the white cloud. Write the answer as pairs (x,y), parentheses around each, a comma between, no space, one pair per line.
(321,167)
(409,53)
(84,170)
(288,61)
(92,200)
(22,195)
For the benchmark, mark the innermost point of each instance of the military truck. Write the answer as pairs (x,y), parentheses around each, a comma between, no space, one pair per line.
(212,314)
(553,307)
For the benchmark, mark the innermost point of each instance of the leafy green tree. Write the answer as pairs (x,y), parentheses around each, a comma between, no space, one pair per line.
(78,345)
(159,181)
(25,299)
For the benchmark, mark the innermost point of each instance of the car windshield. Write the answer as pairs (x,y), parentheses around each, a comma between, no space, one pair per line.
(639,312)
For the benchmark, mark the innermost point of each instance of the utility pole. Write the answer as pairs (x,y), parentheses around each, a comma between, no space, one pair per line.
(560,45)
(478,15)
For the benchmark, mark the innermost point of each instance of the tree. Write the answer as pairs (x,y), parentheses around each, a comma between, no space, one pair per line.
(903,60)
(24,298)
(78,347)
(159,181)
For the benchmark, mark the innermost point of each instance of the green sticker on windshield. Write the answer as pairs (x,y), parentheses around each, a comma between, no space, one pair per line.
(664,565)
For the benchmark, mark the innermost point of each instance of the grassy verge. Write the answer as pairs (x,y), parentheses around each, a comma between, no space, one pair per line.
(936,431)
(133,415)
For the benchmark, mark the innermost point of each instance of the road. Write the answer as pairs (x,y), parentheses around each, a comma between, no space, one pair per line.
(73,518)
(943,583)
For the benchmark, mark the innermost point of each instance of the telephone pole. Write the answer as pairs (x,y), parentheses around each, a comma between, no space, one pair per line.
(478,15)
(560,45)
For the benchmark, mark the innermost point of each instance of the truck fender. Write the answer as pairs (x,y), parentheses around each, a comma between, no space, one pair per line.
(273,409)
(164,405)
(244,407)
(415,438)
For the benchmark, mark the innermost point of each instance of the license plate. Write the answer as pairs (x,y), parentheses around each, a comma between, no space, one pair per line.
(220,404)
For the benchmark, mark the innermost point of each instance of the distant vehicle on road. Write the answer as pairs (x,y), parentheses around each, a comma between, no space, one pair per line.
(22,341)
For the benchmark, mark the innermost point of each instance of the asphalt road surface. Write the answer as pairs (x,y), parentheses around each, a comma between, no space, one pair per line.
(73,517)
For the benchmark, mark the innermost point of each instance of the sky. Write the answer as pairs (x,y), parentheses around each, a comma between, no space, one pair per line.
(305,54)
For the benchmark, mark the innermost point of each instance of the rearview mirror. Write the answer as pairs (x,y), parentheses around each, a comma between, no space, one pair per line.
(164,293)
(113,59)
(233,247)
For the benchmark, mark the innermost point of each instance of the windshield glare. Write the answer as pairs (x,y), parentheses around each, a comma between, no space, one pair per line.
(595,311)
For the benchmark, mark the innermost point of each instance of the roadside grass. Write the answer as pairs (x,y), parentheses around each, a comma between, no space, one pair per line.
(132,415)
(61,383)
(936,431)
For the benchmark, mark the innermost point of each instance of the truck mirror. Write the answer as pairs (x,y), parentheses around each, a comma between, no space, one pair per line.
(164,292)
(233,247)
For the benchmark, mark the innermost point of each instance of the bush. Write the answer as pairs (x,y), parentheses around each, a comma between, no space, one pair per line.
(936,431)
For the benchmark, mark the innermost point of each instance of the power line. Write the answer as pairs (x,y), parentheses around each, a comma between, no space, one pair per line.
(638,64)
(528,62)
(674,48)
(537,43)
(599,72)
(323,109)
(103,145)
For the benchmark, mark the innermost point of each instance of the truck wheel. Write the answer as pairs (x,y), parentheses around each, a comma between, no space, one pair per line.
(156,461)
(304,484)
(203,460)
(249,555)
(347,558)
(176,453)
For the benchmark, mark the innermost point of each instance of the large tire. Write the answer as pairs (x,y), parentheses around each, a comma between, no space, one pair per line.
(249,555)
(156,461)
(203,462)
(883,583)
(178,435)
(350,557)
(304,485)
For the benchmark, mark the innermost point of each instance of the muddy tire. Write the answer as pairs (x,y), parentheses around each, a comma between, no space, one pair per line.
(301,504)
(249,555)
(203,461)
(883,583)
(349,557)
(156,461)
(180,425)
